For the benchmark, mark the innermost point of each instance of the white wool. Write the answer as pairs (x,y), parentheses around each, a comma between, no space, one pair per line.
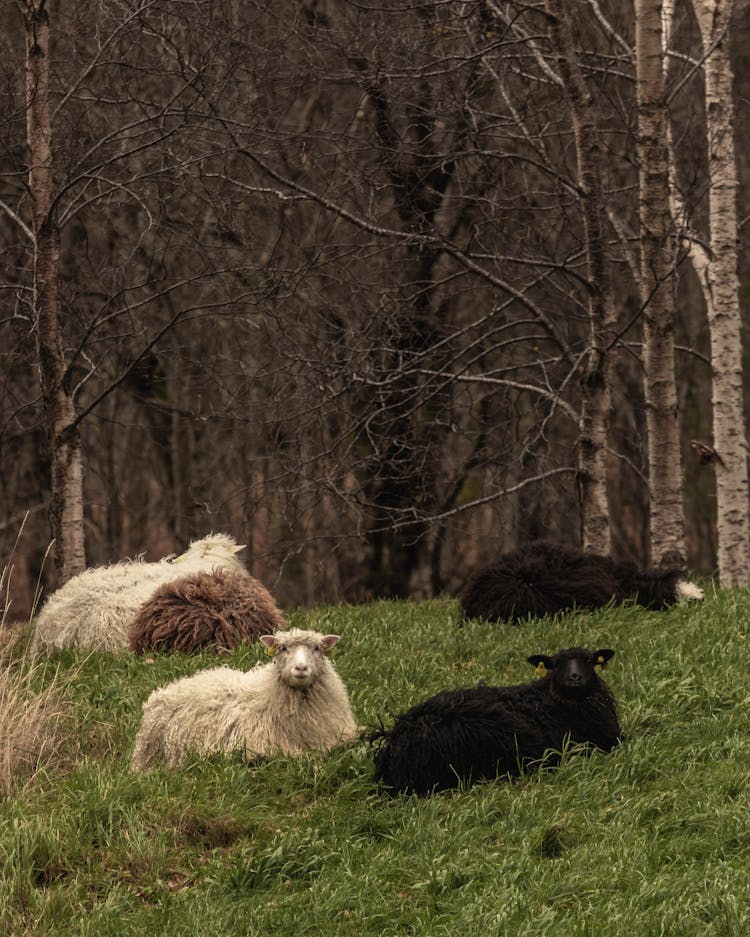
(296,703)
(94,610)
(688,591)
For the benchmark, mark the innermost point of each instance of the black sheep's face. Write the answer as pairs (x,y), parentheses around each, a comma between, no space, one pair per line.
(572,671)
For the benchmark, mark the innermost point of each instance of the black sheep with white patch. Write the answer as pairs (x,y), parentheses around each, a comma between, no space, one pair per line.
(463,736)
(542,578)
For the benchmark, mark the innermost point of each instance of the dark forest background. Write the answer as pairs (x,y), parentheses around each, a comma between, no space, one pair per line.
(323,285)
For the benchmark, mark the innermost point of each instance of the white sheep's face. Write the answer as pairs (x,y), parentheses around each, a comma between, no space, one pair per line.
(299,663)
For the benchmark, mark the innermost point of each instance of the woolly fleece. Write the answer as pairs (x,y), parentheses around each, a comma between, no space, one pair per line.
(483,732)
(208,610)
(258,712)
(95,610)
(543,578)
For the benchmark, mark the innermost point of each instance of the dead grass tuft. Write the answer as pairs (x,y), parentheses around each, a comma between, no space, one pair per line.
(33,734)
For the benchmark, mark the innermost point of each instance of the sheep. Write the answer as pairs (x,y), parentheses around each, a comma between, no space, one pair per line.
(94,610)
(295,703)
(208,610)
(463,736)
(542,578)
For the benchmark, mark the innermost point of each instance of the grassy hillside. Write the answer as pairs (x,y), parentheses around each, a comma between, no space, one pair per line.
(653,839)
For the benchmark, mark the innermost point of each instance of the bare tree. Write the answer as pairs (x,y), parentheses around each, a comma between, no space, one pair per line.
(101,221)
(721,289)
(339,280)
(595,381)
(657,290)
(66,507)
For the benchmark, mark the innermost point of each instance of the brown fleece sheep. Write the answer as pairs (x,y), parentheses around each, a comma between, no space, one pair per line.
(207,610)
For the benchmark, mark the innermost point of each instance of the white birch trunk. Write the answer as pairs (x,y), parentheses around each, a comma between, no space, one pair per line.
(721,288)
(596,399)
(66,510)
(657,292)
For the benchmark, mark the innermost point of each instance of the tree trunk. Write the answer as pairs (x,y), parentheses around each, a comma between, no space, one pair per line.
(722,295)
(657,292)
(595,384)
(66,510)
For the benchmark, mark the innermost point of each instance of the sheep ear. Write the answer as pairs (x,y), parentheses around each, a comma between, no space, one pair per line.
(329,642)
(236,549)
(602,657)
(541,664)
(270,644)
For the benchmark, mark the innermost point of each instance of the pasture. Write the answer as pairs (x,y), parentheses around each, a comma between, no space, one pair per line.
(652,839)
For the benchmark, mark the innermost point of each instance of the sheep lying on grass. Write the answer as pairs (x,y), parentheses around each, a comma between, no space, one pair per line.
(207,610)
(95,610)
(462,736)
(543,578)
(296,703)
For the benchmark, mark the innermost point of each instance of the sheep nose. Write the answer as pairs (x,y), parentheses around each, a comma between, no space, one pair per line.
(575,678)
(300,670)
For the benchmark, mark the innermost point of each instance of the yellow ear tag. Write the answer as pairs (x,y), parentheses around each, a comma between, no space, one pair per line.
(601,662)
(328,651)
(270,651)
(540,671)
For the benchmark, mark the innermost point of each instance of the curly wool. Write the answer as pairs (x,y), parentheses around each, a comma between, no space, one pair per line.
(95,610)
(543,578)
(208,610)
(484,732)
(257,712)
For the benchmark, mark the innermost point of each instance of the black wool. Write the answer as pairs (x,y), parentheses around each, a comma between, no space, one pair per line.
(484,732)
(543,578)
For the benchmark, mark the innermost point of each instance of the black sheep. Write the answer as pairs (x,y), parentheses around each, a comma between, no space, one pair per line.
(542,578)
(462,736)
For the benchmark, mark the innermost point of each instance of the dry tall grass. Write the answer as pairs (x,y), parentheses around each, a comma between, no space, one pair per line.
(32,721)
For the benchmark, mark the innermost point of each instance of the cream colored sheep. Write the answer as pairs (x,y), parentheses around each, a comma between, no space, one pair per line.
(296,703)
(94,610)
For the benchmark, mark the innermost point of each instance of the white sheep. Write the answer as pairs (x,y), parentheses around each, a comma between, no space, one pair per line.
(296,703)
(94,610)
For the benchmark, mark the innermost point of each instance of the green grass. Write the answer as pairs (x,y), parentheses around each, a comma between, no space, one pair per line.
(652,839)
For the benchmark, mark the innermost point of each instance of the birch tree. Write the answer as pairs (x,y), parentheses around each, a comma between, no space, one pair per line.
(596,398)
(392,219)
(657,291)
(96,226)
(66,507)
(721,291)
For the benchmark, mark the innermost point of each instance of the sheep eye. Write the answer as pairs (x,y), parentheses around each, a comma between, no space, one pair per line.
(283,648)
